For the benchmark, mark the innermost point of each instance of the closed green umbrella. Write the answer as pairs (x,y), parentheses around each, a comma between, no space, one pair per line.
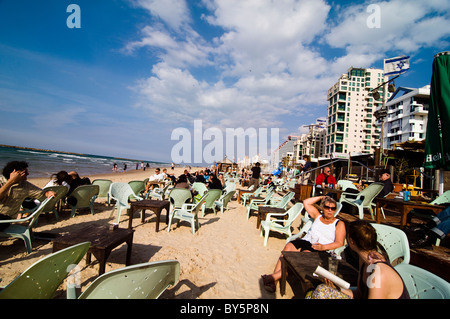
(437,144)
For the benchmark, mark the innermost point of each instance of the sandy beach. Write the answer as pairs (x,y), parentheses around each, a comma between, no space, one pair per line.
(223,260)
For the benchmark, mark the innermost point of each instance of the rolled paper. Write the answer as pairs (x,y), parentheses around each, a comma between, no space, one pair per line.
(335,279)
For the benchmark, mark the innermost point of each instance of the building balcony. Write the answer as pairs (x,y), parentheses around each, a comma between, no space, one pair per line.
(418,110)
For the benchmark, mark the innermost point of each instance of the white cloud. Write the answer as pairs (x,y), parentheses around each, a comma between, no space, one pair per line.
(173,12)
(405,26)
(271,58)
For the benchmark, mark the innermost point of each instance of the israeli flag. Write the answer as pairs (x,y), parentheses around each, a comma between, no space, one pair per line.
(396,66)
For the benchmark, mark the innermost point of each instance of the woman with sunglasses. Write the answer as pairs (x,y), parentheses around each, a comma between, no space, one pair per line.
(326,233)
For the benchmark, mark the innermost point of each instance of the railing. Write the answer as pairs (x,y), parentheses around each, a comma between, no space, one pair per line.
(340,160)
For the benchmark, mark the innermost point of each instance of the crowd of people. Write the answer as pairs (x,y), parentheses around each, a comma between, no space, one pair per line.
(327,232)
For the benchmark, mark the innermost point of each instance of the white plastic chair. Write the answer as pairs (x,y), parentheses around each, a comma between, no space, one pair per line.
(280,225)
(394,241)
(121,193)
(422,284)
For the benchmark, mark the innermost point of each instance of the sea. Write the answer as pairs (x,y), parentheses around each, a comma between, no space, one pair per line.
(45,163)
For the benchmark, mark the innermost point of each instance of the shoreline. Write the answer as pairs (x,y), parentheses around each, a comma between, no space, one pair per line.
(80,154)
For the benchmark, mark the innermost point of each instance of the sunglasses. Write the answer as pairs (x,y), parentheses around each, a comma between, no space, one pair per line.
(329,207)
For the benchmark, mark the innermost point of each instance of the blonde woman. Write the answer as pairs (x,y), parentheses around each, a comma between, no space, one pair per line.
(326,233)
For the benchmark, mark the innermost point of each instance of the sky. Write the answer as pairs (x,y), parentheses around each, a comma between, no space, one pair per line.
(128,78)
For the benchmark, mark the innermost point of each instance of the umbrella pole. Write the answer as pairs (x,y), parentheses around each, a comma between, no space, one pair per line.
(441,181)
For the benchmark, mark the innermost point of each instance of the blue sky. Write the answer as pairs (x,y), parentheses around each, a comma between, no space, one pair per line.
(138,69)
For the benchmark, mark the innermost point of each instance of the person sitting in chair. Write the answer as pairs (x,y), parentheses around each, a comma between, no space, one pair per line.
(326,233)
(326,178)
(14,189)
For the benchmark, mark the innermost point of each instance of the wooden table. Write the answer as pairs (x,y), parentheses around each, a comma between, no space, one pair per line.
(154,205)
(303,265)
(403,207)
(242,191)
(264,210)
(102,239)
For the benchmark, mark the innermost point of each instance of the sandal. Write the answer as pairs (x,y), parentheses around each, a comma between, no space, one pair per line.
(269,283)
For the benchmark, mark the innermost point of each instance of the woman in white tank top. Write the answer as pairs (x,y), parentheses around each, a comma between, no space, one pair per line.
(326,233)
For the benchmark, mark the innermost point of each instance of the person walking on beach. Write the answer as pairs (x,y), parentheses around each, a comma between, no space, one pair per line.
(124,167)
(256,174)
(115,167)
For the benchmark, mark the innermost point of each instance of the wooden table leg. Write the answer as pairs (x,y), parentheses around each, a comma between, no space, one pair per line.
(130,245)
(378,213)
(158,215)
(130,215)
(143,216)
(283,276)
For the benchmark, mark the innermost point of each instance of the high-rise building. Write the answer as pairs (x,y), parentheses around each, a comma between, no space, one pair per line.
(407,116)
(311,143)
(351,124)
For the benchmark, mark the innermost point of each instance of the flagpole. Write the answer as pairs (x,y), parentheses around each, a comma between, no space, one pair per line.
(380,115)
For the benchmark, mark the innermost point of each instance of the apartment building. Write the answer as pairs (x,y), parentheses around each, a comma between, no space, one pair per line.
(407,116)
(351,124)
(311,143)
(285,150)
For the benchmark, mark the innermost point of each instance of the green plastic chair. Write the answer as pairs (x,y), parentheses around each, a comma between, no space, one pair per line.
(394,241)
(18,229)
(51,206)
(85,196)
(142,281)
(223,201)
(42,279)
(178,197)
(200,188)
(213,196)
(121,193)
(282,202)
(422,284)
(246,196)
(364,198)
(280,225)
(254,203)
(188,212)
(138,188)
(103,191)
